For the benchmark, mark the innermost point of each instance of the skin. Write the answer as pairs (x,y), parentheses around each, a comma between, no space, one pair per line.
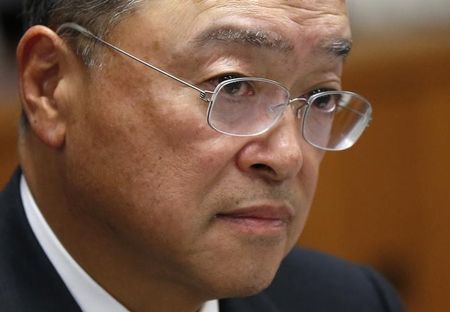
(130,177)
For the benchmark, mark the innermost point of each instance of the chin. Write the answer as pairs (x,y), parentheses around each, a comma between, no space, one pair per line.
(238,270)
(246,288)
(250,289)
(242,283)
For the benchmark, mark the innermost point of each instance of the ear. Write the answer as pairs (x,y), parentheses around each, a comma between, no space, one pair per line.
(40,55)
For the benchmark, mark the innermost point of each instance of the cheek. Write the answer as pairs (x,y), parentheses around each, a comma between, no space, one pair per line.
(309,173)
(144,151)
(307,181)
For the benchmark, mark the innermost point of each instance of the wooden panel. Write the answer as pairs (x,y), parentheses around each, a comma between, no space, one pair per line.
(9,112)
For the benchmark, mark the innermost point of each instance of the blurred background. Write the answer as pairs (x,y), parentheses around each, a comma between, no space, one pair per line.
(385,202)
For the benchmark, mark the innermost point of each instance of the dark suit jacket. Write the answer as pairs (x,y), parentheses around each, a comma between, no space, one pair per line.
(306,281)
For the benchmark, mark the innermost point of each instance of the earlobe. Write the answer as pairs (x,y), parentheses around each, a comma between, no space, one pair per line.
(39,56)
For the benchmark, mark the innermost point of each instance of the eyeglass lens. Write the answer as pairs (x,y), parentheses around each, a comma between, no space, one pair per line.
(335,120)
(242,107)
(332,120)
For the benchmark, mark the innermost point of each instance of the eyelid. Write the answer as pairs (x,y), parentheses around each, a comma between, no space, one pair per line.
(216,79)
(318,90)
(231,75)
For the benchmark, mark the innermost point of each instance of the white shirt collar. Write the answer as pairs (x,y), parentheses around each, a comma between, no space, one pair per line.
(89,295)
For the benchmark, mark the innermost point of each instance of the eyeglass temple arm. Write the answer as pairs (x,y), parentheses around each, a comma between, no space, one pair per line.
(203,94)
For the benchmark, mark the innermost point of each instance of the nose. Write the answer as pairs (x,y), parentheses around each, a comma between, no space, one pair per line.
(276,155)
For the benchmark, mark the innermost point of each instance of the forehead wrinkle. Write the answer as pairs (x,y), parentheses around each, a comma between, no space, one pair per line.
(245,36)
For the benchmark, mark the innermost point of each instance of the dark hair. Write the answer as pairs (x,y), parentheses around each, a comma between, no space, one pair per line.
(99,16)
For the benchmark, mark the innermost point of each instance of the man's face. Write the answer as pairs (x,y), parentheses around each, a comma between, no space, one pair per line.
(184,203)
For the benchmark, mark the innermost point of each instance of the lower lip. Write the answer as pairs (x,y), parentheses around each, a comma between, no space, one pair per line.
(254,225)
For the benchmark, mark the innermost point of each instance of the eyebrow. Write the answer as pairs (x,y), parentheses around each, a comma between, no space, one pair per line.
(339,47)
(251,37)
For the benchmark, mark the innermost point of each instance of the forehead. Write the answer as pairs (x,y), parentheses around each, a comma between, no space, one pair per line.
(290,17)
(289,9)
(331,6)
(178,35)
(295,10)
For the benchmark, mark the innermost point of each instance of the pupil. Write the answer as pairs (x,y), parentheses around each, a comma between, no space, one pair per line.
(322,102)
(233,88)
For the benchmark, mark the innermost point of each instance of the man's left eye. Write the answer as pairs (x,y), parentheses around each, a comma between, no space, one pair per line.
(325,102)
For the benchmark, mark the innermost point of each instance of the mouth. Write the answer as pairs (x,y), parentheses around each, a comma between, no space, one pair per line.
(259,220)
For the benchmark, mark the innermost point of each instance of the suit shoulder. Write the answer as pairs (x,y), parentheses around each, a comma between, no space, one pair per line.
(319,282)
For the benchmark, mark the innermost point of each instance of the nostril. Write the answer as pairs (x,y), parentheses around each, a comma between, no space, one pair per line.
(263,167)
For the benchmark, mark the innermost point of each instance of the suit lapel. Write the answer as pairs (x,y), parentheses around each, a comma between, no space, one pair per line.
(28,280)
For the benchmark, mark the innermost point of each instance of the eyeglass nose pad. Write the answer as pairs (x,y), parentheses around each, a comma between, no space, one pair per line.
(299,112)
(277,110)
(298,105)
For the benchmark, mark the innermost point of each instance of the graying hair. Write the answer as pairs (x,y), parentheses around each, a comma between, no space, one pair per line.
(99,16)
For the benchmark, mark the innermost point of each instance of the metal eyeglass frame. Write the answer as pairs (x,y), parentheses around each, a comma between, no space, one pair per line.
(209,96)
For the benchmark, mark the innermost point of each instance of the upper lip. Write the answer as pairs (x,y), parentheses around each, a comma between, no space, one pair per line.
(264,212)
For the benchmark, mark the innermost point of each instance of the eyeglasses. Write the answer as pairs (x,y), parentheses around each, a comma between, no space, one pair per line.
(250,106)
